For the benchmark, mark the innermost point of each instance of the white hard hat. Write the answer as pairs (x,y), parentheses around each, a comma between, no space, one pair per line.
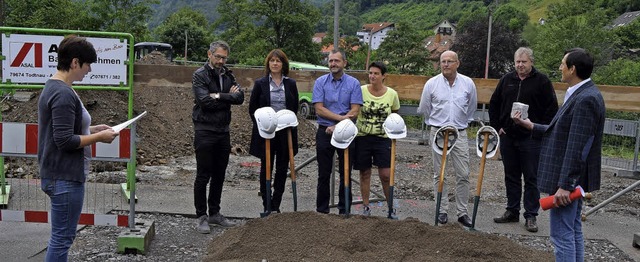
(286,118)
(438,139)
(494,141)
(344,133)
(267,121)
(394,126)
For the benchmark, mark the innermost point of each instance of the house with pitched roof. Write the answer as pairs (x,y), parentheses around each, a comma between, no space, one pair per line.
(625,19)
(374,34)
(442,40)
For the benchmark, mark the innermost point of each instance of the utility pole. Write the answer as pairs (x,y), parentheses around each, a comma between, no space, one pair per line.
(366,65)
(186,40)
(336,21)
(486,66)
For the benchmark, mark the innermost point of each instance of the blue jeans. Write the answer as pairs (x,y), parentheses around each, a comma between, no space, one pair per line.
(566,232)
(66,205)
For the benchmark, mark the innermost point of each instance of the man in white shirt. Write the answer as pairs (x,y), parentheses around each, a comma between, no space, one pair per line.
(450,99)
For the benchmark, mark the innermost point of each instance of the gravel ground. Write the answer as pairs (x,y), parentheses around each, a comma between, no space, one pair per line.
(176,240)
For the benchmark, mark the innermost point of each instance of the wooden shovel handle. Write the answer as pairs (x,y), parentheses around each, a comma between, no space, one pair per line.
(444,160)
(482,162)
(267,147)
(292,165)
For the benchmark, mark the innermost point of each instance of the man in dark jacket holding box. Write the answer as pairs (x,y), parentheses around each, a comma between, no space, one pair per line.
(520,152)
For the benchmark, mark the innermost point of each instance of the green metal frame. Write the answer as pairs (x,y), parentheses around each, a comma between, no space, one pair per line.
(131,165)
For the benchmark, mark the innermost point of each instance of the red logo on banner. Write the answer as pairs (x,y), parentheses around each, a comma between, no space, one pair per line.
(26,47)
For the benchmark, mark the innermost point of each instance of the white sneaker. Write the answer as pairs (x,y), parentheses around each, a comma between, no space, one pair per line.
(203,225)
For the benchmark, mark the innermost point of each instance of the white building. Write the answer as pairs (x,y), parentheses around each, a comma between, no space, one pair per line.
(374,34)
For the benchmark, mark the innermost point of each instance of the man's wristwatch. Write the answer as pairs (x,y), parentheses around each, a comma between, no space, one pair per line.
(216,96)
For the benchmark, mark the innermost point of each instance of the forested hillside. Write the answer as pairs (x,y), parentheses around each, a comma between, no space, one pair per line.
(168,7)
(253,27)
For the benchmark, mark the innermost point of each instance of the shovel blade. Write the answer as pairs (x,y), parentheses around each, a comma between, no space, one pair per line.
(295,196)
(439,195)
(476,201)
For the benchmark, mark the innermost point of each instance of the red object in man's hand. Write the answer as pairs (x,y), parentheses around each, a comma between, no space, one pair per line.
(547,202)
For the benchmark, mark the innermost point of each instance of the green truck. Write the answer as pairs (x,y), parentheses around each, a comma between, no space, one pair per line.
(304,98)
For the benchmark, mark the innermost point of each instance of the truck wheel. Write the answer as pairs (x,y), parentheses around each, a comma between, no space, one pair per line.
(305,109)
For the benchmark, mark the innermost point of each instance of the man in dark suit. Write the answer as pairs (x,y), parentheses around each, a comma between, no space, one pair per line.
(571,151)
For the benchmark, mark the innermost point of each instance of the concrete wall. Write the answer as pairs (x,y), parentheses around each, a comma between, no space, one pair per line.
(409,87)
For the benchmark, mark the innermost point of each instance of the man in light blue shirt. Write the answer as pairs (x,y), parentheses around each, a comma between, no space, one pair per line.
(450,99)
(336,96)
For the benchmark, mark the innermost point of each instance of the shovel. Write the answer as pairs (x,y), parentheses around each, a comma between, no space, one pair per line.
(292,167)
(347,204)
(267,145)
(442,167)
(393,170)
(476,199)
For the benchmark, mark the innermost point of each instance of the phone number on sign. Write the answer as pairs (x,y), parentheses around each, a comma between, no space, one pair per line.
(105,77)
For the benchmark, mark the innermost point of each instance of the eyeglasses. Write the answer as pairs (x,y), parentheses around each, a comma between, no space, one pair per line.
(448,62)
(219,57)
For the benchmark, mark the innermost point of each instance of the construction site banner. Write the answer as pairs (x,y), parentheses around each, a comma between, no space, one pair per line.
(32,59)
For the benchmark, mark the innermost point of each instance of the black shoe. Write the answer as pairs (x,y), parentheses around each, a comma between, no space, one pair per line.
(530,225)
(507,217)
(465,221)
(442,218)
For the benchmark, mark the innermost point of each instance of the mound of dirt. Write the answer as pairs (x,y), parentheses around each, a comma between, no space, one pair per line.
(310,236)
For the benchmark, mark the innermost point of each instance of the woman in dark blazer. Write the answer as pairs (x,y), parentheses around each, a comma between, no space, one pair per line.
(278,91)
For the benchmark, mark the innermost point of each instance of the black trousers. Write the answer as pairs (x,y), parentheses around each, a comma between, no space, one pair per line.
(212,157)
(280,151)
(325,153)
(520,160)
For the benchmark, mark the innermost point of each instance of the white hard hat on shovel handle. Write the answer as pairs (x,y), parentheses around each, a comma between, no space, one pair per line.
(267,122)
(286,118)
(438,139)
(494,141)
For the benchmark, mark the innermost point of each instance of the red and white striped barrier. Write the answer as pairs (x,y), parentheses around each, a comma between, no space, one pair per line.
(21,139)
(45,217)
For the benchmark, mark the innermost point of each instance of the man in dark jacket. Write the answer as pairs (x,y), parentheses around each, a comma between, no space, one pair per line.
(520,152)
(215,90)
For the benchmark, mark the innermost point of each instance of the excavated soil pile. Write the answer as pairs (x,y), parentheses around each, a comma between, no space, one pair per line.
(166,131)
(310,236)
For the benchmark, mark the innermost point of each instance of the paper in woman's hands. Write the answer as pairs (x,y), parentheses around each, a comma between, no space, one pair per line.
(124,125)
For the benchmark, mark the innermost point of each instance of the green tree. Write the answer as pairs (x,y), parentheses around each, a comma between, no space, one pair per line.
(513,18)
(240,32)
(566,29)
(284,24)
(471,46)
(618,72)
(289,24)
(187,24)
(129,16)
(404,52)
(629,35)
(53,14)
(350,18)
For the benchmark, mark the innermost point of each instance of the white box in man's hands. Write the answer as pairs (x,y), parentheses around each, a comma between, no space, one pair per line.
(517,106)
